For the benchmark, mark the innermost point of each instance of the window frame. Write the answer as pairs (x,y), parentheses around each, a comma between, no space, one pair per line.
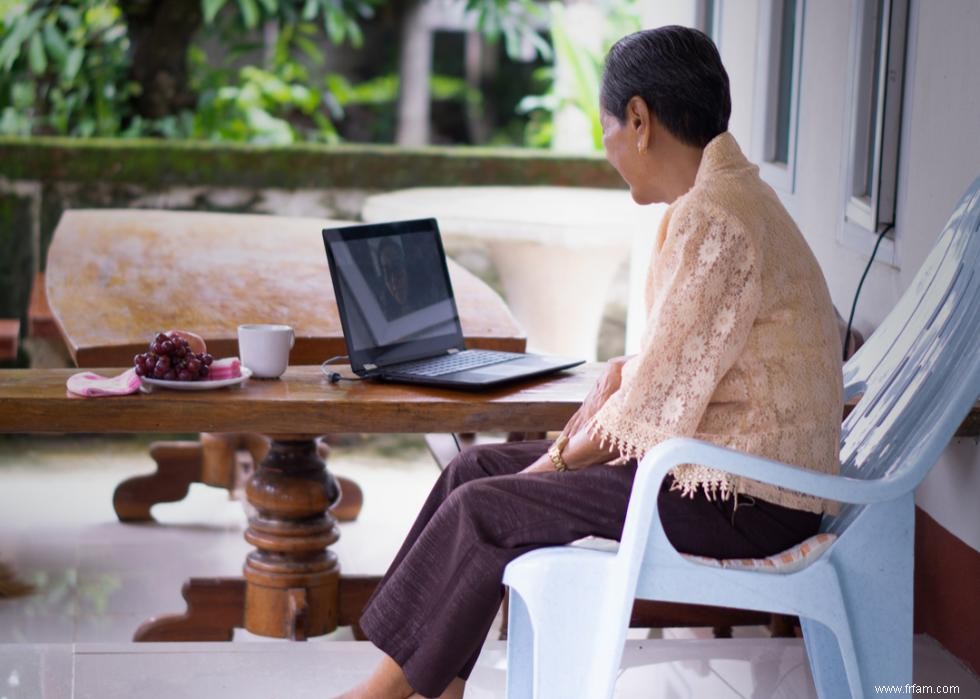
(709,17)
(867,214)
(782,176)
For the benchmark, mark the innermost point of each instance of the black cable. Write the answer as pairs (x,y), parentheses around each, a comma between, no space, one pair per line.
(857,294)
(456,439)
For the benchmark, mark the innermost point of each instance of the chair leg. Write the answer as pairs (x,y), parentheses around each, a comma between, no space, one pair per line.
(873,633)
(882,643)
(862,652)
(826,664)
(542,664)
(520,649)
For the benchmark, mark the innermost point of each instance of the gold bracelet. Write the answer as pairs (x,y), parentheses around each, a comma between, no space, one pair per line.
(555,453)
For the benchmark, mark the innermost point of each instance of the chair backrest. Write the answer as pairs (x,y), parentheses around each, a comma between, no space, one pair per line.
(919,372)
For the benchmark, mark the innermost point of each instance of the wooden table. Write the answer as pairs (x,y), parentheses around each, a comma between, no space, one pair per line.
(557,249)
(117,277)
(292,586)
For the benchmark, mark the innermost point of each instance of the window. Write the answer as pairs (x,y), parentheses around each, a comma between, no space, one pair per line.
(774,137)
(708,19)
(878,54)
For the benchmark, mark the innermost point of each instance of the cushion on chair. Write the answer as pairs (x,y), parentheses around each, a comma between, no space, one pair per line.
(597,543)
(788,561)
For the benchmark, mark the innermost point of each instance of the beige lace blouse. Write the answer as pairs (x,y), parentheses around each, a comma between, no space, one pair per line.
(741,346)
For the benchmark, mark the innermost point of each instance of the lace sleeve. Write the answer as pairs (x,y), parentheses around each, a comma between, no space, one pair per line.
(706,294)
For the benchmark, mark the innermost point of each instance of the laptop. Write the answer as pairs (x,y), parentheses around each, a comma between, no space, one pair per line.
(399,314)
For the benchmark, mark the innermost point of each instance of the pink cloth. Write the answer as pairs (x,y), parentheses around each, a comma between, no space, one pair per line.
(92,385)
(227,368)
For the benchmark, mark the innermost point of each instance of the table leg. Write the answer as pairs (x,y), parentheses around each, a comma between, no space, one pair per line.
(219,460)
(292,586)
(178,465)
(292,577)
(215,608)
(348,505)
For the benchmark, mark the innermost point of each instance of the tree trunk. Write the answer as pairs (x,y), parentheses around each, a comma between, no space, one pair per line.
(481,68)
(415,66)
(159,35)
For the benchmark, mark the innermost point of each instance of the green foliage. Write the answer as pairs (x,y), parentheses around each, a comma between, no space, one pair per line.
(384,90)
(278,103)
(340,18)
(64,68)
(513,20)
(376,91)
(271,104)
(367,107)
(585,69)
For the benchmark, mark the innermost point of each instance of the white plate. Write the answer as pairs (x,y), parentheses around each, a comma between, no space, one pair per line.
(198,385)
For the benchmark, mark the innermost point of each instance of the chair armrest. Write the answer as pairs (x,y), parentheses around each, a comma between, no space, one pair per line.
(643,521)
(673,452)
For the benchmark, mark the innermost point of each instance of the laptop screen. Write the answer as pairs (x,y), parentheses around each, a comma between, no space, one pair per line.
(393,292)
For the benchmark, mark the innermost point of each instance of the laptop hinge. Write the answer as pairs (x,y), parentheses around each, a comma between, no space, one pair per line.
(452,351)
(371,367)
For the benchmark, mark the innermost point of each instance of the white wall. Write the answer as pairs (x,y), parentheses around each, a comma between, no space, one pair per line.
(736,25)
(940,157)
(659,13)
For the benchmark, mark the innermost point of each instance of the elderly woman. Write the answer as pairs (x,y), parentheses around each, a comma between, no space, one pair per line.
(741,349)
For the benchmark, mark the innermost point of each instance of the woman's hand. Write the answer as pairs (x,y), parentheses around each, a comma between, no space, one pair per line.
(607,384)
(544,464)
(582,451)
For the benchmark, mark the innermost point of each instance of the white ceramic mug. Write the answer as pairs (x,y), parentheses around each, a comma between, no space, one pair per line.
(265,349)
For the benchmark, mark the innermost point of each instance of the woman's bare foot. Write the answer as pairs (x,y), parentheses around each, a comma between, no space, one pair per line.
(386,682)
(453,691)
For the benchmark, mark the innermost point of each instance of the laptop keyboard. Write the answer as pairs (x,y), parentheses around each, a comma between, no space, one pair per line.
(450,363)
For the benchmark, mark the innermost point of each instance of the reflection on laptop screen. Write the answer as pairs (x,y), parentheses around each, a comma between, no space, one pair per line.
(394,290)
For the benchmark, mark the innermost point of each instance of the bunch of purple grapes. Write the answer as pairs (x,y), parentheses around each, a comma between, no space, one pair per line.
(170,358)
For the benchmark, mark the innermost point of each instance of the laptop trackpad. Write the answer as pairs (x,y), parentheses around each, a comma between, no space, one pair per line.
(526,364)
(502,369)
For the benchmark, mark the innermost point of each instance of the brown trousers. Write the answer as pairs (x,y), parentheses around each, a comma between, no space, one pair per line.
(435,605)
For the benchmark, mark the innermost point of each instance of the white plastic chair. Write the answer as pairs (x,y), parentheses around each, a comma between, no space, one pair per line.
(919,374)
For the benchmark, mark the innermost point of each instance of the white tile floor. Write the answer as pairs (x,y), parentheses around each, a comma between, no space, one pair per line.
(98,580)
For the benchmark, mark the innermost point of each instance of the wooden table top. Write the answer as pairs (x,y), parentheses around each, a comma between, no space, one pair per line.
(302,401)
(117,277)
